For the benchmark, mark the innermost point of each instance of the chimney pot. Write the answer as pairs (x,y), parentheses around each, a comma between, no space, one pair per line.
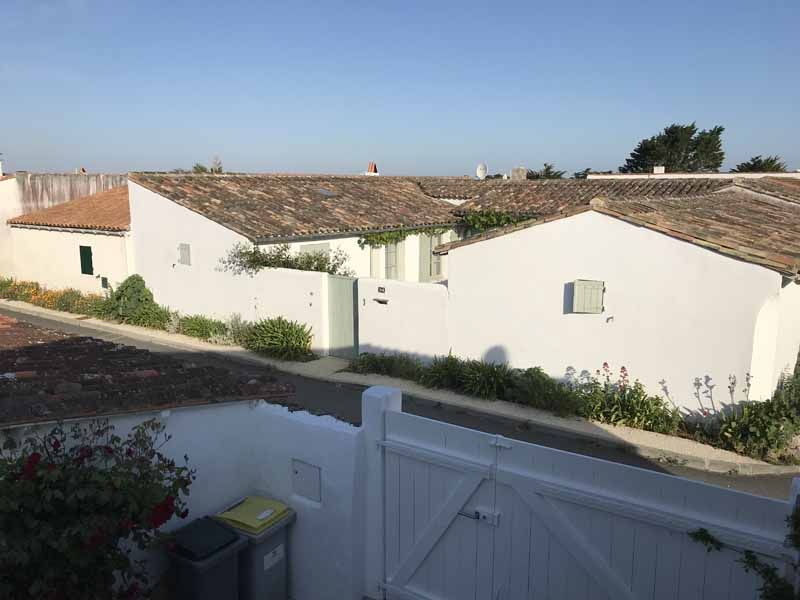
(519,174)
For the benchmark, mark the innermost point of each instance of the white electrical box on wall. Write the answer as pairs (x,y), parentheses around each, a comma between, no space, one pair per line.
(306,480)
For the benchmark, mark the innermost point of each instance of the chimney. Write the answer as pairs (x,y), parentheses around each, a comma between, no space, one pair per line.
(372,169)
(659,170)
(519,174)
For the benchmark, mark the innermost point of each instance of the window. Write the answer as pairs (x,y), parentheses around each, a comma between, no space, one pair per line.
(391,261)
(587,296)
(430,264)
(436,259)
(184,254)
(87,268)
(375,263)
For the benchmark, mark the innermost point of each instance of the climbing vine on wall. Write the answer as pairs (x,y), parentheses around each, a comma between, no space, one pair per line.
(775,586)
(479,221)
(383,238)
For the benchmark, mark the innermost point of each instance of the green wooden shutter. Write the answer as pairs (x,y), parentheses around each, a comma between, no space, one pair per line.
(424,257)
(587,296)
(87,268)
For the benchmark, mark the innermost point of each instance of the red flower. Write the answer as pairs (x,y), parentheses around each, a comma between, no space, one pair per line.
(184,514)
(55,444)
(29,468)
(162,512)
(129,452)
(108,450)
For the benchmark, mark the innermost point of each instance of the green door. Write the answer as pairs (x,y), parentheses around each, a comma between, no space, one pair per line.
(342,316)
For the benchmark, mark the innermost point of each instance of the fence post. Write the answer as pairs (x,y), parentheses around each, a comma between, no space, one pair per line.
(375,402)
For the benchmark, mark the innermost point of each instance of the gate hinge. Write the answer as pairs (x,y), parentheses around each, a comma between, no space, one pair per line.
(500,442)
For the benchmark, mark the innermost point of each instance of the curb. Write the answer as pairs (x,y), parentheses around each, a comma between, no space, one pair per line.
(653,446)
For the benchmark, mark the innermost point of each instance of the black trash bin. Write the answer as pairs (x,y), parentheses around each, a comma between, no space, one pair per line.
(206,561)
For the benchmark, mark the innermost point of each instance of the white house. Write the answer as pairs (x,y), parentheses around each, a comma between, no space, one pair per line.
(84,243)
(23,192)
(673,287)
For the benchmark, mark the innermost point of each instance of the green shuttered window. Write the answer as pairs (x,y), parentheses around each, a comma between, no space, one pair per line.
(87,268)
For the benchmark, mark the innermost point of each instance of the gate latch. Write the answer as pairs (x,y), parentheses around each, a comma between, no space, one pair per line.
(485,516)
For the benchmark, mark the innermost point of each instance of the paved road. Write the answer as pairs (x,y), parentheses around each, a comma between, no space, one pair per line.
(344,402)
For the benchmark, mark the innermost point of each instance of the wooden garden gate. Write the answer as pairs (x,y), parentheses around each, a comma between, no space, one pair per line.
(342,316)
(472,515)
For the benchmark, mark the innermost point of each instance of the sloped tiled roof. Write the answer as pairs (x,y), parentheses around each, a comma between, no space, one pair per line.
(756,229)
(785,188)
(267,208)
(104,211)
(548,196)
(49,375)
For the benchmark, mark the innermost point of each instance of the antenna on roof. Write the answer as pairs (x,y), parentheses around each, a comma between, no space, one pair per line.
(482,171)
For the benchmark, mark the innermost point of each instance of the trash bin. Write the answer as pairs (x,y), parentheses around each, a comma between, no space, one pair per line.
(263,565)
(205,559)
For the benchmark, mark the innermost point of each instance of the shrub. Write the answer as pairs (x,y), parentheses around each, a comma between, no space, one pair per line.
(393,365)
(239,329)
(252,259)
(133,303)
(444,372)
(758,429)
(69,300)
(201,327)
(535,388)
(280,338)
(23,291)
(492,381)
(73,503)
(623,403)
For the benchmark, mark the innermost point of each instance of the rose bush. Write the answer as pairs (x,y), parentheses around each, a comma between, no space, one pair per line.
(76,503)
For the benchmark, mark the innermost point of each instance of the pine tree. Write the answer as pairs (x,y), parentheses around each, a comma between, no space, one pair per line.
(547,172)
(678,148)
(757,164)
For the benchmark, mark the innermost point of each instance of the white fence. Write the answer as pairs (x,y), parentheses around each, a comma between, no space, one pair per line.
(474,515)
(409,507)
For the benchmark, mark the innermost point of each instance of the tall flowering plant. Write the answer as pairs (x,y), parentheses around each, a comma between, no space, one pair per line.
(76,503)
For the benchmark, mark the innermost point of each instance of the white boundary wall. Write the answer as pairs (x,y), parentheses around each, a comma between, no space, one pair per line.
(395,316)
(338,548)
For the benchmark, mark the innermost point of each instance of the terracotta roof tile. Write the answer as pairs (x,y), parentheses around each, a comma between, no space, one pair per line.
(757,229)
(548,196)
(48,375)
(105,211)
(268,208)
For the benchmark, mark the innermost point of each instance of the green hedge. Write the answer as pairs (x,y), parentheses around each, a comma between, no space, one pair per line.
(280,338)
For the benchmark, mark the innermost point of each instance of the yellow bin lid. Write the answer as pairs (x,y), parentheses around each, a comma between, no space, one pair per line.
(254,514)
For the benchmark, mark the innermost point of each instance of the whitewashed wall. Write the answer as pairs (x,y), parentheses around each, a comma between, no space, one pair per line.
(52,257)
(673,310)
(9,208)
(251,451)
(405,317)
(159,226)
(788,331)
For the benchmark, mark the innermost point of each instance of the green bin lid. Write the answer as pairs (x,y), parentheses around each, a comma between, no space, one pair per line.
(202,538)
(254,514)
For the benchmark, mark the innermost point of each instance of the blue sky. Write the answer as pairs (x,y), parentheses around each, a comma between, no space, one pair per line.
(419,87)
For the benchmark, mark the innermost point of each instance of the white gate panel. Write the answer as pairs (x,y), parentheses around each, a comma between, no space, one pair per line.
(471,515)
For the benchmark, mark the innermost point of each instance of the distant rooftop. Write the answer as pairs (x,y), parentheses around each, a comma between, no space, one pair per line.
(790,175)
(104,211)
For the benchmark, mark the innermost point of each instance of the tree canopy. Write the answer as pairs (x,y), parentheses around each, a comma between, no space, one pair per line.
(216,167)
(678,148)
(759,164)
(547,172)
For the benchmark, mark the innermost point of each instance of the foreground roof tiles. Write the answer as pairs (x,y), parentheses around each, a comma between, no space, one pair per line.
(271,208)
(47,375)
(104,211)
